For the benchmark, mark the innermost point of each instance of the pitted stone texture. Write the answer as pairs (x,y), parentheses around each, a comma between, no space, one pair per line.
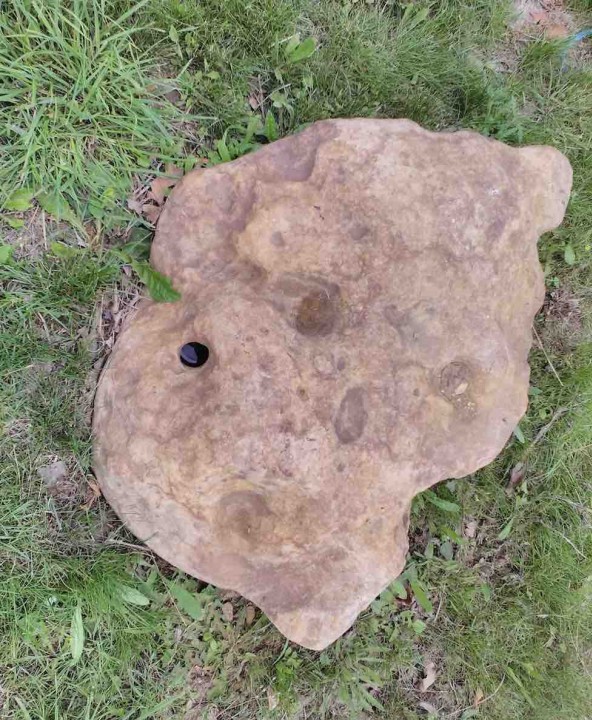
(366,290)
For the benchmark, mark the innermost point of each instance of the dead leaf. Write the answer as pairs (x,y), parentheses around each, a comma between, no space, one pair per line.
(250,615)
(200,679)
(478,699)
(151,213)
(272,699)
(255,97)
(173,96)
(429,708)
(517,475)
(159,187)
(430,677)
(228,611)
(173,170)
(471,528)
(540,17)
(92,495)
(134,205)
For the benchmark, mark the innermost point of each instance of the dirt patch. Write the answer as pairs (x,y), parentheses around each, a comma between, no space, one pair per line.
(111,311)
(563,326)
(200,680)
(31,240)
(67,484)
(148,195)
(36,235)
(535,19)
(19,430)
(114,307)
(548,17)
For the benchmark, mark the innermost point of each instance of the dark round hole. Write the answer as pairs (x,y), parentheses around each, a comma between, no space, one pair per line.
(194,354)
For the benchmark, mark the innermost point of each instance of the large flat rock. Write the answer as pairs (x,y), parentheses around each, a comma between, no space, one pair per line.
(366,290)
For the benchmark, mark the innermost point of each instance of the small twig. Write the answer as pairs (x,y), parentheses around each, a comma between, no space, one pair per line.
(121,543)
(567,540)
(545,429)
(547,356)
(44,230)
(283,652)
(481,702)
(542,432)
(520,467)
(99,318)
(47,334)
(438,610)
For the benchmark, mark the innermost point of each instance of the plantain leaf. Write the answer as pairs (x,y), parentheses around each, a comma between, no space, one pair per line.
(421,595)
(159,286)
(188,602)
(223,150)
(57,206)
(20,200)
(399,589)
(254,127)
(303,50)
(418,626)
(132,596)
(270,130)
(291,45)
(62,250)
(440,503)
(14,223)
(519,435)
(506,530)
(6,254)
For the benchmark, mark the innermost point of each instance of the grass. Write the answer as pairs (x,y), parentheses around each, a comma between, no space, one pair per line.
(82,106)
(94,627)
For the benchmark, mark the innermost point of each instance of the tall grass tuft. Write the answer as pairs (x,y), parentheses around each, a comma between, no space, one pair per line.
(81,108)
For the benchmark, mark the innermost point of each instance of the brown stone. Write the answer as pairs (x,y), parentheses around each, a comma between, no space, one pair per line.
(366,290)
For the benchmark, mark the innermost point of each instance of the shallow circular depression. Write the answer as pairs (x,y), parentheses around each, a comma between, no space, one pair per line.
(316,314)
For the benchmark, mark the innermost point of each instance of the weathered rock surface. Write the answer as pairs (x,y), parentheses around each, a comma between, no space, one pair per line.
(366,291)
